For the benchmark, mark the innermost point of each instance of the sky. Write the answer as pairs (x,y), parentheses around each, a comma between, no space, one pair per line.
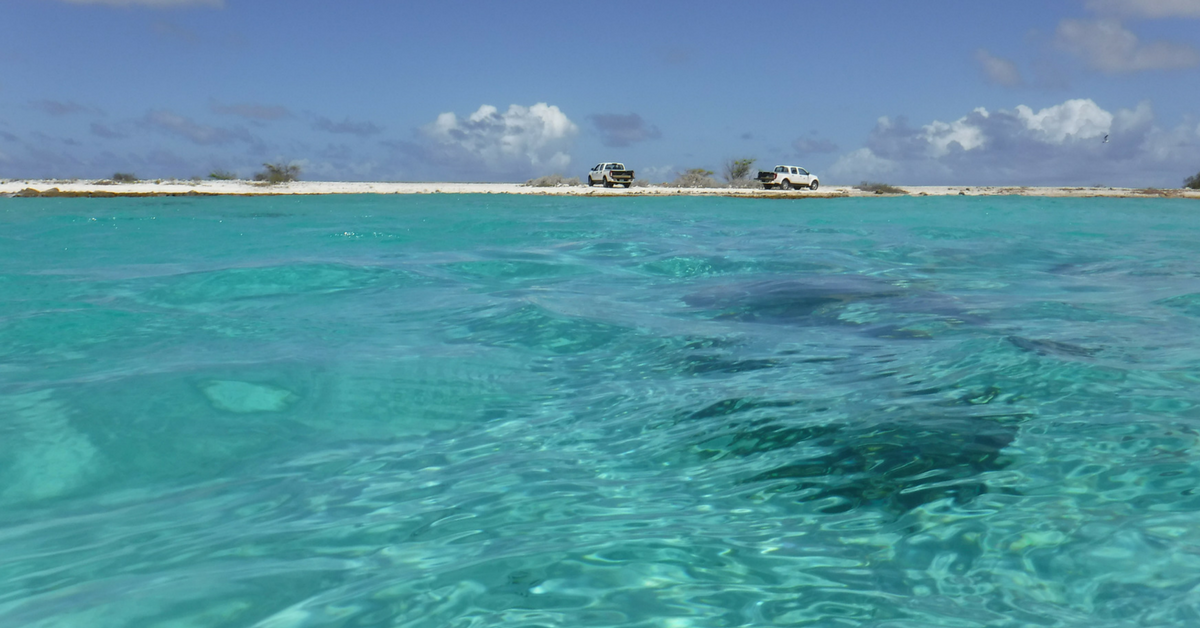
(935,92)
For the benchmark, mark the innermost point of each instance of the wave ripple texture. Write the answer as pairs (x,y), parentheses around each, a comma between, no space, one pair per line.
(473,411)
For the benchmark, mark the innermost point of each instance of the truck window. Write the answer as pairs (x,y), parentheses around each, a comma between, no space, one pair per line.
(782,169)
(803,171)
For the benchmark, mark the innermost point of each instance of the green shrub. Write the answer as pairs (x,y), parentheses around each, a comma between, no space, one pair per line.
(695,178)
(124,177)
(276,173)
(553,181)
(1192,182)
(222,175)
(879,188)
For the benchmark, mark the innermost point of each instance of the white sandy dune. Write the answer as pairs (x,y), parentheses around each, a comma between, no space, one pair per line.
(249,188)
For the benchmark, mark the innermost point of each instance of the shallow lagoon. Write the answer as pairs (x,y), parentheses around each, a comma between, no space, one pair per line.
(481,410)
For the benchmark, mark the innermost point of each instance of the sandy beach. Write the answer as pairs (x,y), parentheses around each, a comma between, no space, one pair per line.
(102,188)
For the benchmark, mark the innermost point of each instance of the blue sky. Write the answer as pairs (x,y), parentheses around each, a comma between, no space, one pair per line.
(931,92)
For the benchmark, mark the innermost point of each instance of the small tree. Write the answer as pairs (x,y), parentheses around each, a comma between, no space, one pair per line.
(737,169)
(1192,182)
(276,173)
(222,175)
(124,177)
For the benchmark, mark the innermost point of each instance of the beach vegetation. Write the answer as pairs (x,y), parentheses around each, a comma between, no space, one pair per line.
(695,178)
(124,177)
(737,169)
(879,188)
(553,181)
(1192,182)
(278,173)
(222,175)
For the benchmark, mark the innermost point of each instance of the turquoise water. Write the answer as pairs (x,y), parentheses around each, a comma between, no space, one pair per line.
(482,410)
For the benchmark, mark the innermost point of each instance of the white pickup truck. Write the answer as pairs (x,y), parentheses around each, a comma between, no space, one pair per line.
(610,173)
(788,177)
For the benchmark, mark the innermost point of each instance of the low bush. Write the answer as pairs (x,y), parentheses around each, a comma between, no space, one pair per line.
(1192,182)
(879,188)
(124,177)
(695,178)
(222,175)
(276,173)
(553,181)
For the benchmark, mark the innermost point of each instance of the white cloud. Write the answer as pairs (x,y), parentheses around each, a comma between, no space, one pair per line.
(962,132)
(1107,46)
(158,4)
(1153,9)
(997,70)
(1078,118)
(516,143)
(1057,145)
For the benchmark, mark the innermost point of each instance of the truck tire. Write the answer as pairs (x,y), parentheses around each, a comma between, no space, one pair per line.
(785,185)
(814,185)
(607,183)
(590,182)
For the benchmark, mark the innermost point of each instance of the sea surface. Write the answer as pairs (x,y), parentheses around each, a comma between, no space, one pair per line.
(482,410)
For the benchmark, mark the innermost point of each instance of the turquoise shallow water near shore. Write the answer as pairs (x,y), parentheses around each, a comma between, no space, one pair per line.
(492,411)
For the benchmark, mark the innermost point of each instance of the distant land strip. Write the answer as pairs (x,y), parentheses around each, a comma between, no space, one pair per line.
(106,189)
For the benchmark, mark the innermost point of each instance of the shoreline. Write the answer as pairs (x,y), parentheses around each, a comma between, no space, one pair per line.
(34,188)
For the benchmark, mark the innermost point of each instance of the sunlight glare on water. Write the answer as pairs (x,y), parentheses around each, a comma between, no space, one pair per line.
(478,410)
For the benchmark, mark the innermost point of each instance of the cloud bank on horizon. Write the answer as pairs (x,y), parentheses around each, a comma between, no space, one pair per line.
(1022,147)
(1011,104)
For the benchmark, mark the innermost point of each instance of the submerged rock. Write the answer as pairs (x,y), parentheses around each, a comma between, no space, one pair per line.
(1048,347)
(896,465)
(43,456)
(788,301)
(244,397)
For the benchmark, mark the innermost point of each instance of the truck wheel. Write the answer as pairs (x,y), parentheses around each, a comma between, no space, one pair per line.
(814,185)
(786,185)
(608,184)
(590,182)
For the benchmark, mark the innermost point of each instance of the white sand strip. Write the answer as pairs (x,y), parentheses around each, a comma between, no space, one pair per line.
(249,188)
